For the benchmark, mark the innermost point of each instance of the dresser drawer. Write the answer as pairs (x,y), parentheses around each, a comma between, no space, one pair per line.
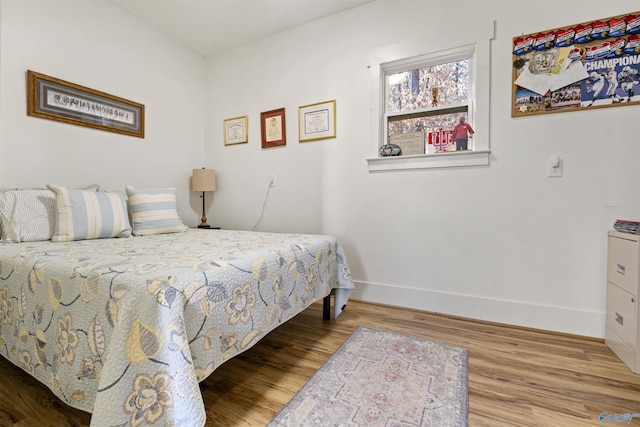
(621,314)
(622,264)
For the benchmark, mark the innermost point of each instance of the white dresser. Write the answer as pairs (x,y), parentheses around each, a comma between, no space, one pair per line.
(623,282)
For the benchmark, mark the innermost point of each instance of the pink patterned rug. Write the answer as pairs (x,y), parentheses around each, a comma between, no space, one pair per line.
(383,379)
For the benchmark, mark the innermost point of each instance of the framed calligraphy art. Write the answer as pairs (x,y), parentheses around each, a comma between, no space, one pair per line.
(55,99)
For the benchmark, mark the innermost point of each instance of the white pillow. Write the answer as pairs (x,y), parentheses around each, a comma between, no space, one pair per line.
(85,215)
(28,215)
(154,211)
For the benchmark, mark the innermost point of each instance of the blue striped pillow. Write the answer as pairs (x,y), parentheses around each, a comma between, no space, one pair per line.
(154,211)
(85,215)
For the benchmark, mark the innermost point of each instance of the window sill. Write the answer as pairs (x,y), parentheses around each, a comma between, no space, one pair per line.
(432,161)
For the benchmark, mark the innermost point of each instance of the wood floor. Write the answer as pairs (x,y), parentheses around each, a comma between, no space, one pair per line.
(517,377)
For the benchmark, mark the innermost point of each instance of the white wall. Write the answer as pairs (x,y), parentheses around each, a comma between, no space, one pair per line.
(96,44)
(502,243)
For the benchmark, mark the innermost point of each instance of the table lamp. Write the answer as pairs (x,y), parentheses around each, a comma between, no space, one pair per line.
(203,180)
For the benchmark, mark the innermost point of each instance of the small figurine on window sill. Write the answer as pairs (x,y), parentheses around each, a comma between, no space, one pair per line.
(390,150)
(461,134)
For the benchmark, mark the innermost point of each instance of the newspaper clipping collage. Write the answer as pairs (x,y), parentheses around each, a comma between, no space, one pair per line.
(588,65)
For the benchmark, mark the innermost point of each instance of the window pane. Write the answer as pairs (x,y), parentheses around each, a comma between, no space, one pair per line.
(434,86)
(432,124)
(439,126)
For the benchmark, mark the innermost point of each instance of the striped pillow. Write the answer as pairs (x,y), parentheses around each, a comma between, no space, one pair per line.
(85,215)
(154,211)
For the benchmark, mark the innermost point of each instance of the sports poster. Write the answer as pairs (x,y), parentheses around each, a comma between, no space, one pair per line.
(590,65)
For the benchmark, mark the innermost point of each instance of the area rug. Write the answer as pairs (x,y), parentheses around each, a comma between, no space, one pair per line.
(384,379)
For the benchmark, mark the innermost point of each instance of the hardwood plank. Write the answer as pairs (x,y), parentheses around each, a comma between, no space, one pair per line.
(517,376)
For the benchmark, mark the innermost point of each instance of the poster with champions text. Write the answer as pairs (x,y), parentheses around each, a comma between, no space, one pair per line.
(584,66)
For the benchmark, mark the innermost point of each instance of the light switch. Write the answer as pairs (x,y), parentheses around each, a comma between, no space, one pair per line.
(554,167)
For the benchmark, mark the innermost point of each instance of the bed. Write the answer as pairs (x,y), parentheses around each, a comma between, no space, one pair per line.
(126,328)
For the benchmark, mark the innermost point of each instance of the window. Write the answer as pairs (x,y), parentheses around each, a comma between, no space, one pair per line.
(418,97)
(426,99)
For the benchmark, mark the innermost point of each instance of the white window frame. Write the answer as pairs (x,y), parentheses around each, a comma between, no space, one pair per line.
(474,40)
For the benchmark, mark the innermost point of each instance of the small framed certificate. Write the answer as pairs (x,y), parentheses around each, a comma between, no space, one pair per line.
(235,131)
(317,121)
(272,125)
(410,142)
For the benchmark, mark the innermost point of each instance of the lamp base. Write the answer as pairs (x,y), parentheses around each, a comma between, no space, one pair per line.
(204,226)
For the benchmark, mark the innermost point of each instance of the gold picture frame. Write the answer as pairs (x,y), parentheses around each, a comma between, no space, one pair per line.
(55,99)
(236,130)
(317,121)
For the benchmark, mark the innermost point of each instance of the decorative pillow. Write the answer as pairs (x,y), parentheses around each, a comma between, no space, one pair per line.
(154,211)
(28,215)
(86,215)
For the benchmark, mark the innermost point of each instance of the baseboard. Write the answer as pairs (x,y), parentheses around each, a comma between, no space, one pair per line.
(546,317)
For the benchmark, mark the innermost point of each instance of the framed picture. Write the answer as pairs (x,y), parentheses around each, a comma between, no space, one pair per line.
(55,99)
(272,125)
(317,121)
(587,65)
(235,131)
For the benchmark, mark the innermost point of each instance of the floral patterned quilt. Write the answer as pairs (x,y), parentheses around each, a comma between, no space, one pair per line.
(126,328)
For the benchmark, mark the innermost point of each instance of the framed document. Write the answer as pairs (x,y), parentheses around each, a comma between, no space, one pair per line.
(410,143)
(317,121)
(235,131)
(272,125)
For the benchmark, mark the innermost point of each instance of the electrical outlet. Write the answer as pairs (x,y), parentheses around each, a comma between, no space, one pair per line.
(272,180)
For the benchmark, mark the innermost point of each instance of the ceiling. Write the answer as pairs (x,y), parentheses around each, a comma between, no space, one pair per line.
(212,26)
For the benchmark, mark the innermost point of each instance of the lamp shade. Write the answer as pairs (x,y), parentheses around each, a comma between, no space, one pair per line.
(203,180)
